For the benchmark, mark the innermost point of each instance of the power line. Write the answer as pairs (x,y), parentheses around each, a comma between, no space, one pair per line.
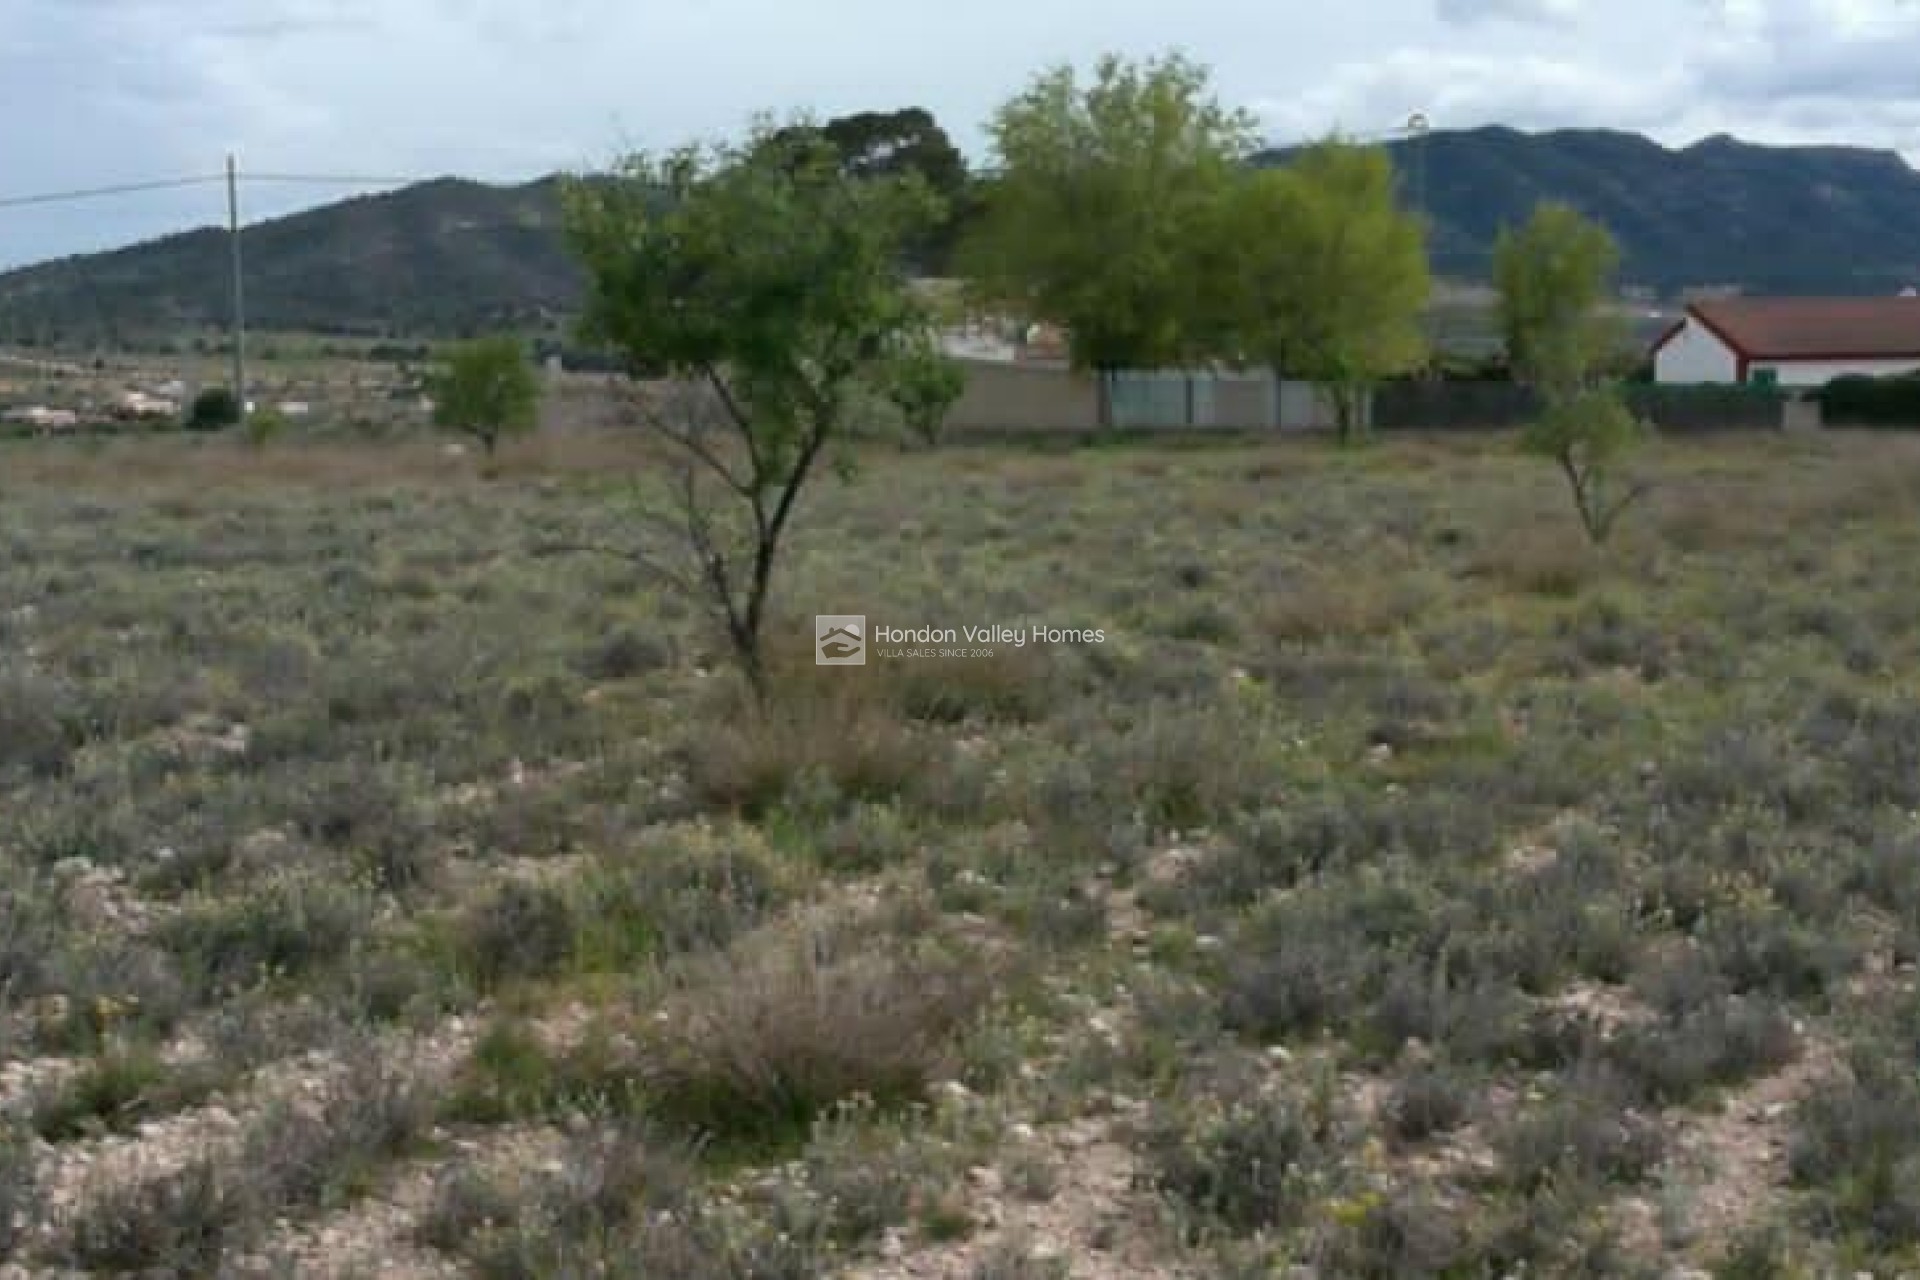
(333,179)
(203,180)
(122,189)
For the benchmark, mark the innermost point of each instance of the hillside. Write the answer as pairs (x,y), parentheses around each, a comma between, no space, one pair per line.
(451,256)
(1793,220)
(432,259)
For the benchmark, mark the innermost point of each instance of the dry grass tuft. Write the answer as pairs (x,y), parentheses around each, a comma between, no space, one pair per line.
(1540,560)
(761,1040)
(1315,605)
(846,743)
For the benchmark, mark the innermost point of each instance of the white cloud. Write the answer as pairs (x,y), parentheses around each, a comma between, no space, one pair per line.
(1862,51)
(1469,12)
(1465,90)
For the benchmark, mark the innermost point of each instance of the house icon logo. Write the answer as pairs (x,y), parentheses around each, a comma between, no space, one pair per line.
(840,640)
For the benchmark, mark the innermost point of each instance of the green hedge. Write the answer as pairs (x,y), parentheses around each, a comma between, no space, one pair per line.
(1441,405)
(1706,407)
(1861,401)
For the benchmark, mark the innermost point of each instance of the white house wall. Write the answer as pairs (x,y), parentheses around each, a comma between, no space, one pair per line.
(1694,355)
(1817,373)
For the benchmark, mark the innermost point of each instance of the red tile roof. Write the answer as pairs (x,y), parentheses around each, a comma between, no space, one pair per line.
(1814,328)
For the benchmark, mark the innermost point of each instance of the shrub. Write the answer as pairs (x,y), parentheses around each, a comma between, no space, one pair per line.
(867,1174)
(467,1206)
(1315,607)
(1031,1174)
(300,1155)
(1323,831)
(624,654)
(41,722)
(1299,984)
(527,822)
(869,838)
(762,1039)
(115,1092)
(838,753)
(178,1224)
(1547,928)
(1586,1133)
(264,426)
(689,889)
(1320,957)
(1241,1152)
(1183,764)
(1678,981)
(1012,1258)
(1560,1229)
(1396,1233)
(922,384)
(1759,947)
(622,1206)
(16,1187)
(1768,1253)
(1856,1141)
(1881,756)
(1858,400)
(365,811)
(1428,1100)
(32,936)
(1715,1045)
(521,930)
(212,409)
(1540,562)
(512,1074)
(293,924)
(1014,686)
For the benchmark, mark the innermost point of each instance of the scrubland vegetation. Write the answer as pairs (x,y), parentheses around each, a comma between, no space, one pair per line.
(1405,888)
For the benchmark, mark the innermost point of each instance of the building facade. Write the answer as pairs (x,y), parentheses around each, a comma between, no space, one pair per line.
(1789,342)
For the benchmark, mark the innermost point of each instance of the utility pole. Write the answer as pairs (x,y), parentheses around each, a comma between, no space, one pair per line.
(1417,126)
(239,291)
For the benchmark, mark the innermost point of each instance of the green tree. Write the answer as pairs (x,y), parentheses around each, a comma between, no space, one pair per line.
(1554,275)
(894,144)
(1328,274)
(765,282)
(1587,434)
(1095,219)
(487,389)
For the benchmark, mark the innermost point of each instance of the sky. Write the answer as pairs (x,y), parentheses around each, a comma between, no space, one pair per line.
(99,92)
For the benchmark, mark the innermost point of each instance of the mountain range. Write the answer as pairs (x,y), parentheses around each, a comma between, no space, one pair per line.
(441,258)
(451,257)
(1787,220)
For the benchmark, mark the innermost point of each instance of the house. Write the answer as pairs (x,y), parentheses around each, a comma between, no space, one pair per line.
(41,418)
(1789,342)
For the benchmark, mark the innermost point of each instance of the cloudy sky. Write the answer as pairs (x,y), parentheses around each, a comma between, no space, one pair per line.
(98,92)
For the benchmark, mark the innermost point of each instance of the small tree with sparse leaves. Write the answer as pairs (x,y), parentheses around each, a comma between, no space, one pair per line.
(1553,278)
(766,283)
(1587,434)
